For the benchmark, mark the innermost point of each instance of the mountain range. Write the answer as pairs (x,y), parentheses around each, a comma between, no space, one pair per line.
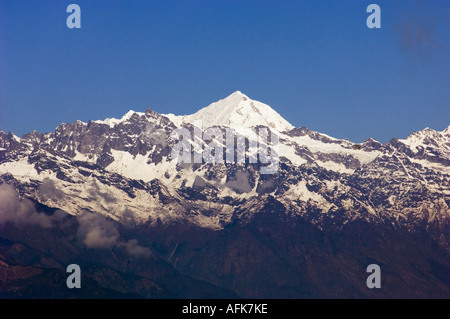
(108,195)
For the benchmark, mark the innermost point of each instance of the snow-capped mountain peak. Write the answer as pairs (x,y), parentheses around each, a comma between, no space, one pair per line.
(430,144)
(123,168)
(422,137)
(236,110)
(113,121)
(446,131)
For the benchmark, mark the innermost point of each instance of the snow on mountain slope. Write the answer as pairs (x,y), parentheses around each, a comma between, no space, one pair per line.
(237,110)
(317,146)
(428,140)
(111,122)
(118,167)
(20,169)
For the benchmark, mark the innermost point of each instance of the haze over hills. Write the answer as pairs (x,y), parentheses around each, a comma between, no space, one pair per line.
(308,230)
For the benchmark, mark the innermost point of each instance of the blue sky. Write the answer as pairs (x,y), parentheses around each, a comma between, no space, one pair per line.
(315,62)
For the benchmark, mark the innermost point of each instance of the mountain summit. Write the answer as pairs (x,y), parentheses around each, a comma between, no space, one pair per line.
(236,110)
(308,230)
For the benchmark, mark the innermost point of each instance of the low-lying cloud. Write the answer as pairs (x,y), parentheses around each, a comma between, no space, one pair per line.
(96,194)
(20,211)
(95,231)
(239,183)
(47,190)
(134,249)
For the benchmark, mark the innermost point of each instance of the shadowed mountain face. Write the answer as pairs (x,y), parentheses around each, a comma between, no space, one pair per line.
(33,263)
(141,225)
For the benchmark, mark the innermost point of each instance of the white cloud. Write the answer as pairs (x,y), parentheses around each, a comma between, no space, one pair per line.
(20,211)
(95,231)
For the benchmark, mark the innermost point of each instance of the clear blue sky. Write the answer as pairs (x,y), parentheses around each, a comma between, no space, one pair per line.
(315,62)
